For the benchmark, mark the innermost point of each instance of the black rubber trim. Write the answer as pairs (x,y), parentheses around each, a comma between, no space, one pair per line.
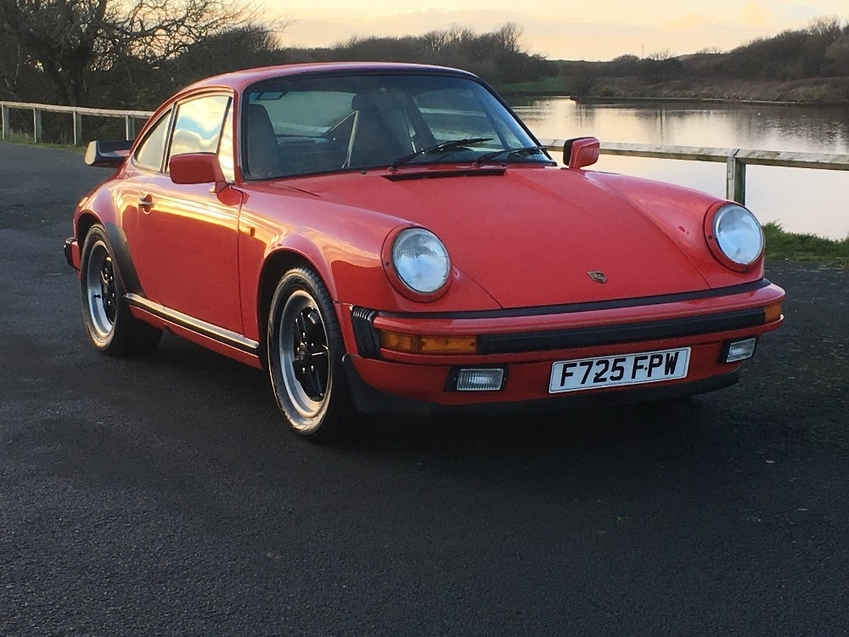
(366,337)
(227,337)
(126,268)
(614,334)
(369,400)
(67,249)
(570,308)
(444,174)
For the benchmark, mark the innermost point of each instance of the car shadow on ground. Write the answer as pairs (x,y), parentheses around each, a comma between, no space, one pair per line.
(223,400)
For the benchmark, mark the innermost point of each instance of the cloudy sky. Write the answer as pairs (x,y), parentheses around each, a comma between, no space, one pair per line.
(561,29)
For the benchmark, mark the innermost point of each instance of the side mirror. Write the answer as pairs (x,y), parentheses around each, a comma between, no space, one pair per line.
(197,168)
(581,152)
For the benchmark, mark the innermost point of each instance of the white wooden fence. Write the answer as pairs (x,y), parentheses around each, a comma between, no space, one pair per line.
(76,113)
(735,159)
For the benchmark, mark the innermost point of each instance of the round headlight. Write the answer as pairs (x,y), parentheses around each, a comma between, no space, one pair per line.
(738,234)
(420,260)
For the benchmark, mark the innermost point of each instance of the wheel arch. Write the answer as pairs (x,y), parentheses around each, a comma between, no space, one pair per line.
(84,223)
(117,244)
(275,266)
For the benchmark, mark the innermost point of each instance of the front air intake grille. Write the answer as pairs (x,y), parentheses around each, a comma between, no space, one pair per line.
(368,342)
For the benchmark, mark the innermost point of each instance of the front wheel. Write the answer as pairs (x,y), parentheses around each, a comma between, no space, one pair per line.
(305,351)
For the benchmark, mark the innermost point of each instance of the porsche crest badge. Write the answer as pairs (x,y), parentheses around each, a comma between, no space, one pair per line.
(597,276)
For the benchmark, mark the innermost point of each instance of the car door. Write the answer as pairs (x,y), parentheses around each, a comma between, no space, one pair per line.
(189,231)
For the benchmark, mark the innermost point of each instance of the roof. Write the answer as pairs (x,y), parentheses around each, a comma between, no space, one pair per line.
(238,80)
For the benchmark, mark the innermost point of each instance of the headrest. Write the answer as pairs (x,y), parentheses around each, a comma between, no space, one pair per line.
(377,100)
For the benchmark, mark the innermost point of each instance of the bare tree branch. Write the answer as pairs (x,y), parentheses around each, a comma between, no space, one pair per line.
(68,39)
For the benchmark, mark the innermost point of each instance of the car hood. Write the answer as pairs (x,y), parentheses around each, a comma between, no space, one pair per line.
(533,237)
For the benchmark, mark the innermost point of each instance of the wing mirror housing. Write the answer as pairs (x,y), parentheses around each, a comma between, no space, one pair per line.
(197,168)
(581,152)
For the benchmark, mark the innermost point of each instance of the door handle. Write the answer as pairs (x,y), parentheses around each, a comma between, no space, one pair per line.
(146,203)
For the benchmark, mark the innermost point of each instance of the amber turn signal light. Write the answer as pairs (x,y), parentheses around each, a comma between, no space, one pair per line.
(415,344)
(772,312)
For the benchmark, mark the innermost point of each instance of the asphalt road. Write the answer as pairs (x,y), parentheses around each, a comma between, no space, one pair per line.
(162,496)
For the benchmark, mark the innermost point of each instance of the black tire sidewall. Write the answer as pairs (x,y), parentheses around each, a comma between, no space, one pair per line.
(328,421)
(129,336)
(97,234)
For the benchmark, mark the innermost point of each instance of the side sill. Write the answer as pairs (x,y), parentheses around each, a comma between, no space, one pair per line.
(198,326)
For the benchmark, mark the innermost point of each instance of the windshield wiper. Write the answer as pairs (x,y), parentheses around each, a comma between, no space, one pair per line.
(527,150)
(451,144)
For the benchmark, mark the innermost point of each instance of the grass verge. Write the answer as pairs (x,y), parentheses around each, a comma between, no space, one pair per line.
(804,247)
(15,137)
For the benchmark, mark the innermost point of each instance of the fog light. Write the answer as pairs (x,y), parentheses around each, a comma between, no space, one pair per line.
(740,350)
(477,379)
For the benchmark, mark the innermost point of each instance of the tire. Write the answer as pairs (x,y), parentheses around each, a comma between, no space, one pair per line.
(305,351)
(111,327)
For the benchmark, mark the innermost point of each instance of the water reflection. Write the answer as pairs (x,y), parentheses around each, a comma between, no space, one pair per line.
(802,200)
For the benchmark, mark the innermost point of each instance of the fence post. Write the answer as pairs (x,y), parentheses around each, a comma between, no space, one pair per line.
(5,118)
(735,178)
(129,127)
(78,128)
(36,126)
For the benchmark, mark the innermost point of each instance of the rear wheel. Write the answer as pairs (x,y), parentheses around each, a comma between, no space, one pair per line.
(111,327)
(305,351)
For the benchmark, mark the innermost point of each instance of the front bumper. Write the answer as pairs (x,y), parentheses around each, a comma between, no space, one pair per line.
(527,342)
(374,401)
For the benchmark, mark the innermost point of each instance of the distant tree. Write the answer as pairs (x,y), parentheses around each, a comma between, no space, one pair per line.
(136,83)
(790,55)
(660,56)
(660,65)
(57,38)
(622,66)
(710,50)
(404,49)
(15,73)
(837,55)
(68,40)
(498,56)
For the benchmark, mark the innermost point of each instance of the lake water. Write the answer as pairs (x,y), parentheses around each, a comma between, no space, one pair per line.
(801,200)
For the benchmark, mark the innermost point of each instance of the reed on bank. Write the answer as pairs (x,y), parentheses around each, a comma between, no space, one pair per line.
(804,247)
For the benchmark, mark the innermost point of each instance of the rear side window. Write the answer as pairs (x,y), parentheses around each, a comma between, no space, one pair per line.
(198,125)
(150,151)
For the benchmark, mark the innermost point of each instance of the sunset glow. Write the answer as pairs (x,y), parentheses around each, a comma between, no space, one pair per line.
(599,30)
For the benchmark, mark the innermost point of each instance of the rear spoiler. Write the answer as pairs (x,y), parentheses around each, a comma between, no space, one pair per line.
(107,154)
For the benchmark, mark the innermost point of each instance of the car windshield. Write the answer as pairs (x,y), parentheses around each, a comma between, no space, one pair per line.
(324,124)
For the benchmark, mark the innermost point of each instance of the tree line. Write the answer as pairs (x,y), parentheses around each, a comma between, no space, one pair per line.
(135,53)
(820,50)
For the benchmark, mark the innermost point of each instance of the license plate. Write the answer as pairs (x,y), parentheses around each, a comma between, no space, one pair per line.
(615,371)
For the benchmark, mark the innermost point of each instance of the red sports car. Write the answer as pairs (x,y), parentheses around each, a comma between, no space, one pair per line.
(387,237)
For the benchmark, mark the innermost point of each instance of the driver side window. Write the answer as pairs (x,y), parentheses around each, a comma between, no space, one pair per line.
(197,128)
